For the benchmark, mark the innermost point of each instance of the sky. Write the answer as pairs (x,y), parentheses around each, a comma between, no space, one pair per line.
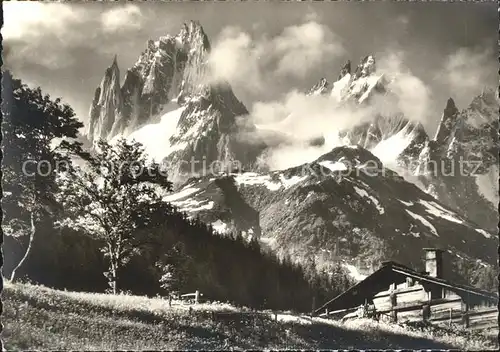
(266,50)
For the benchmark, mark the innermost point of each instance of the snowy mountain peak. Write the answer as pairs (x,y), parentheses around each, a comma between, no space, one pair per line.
(113,71)
(348,157)
(345,70)
(319,88)
(193,33)
(106,103)
(166,104)
(448,120)
(366,67)
(170,67)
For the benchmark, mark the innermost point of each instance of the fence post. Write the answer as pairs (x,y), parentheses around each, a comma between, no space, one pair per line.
(426,312)
(394,313)
(196,296)
(313,306)
(465,313)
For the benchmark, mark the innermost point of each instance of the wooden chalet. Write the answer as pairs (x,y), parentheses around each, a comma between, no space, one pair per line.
(398,293)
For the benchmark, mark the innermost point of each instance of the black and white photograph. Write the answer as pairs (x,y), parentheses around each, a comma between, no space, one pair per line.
(250,175)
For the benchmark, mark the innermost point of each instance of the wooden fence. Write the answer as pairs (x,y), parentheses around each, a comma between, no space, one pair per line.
(450,312)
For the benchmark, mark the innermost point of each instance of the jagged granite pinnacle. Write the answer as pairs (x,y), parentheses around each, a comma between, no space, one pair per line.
(171,75)
(169,67)
(346,69)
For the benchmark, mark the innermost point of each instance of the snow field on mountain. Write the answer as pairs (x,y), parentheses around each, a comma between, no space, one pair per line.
(370,82)
(185,192)
(389,149)
(333,166)
(340,86)
(292,181)
(191,205)
(484,233)
(354,272)
(220,226)
(156,136)
(437,210)
(253,178)
(374,200)
(423,221)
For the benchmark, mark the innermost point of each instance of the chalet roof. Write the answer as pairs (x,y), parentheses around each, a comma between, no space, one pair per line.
(392,272)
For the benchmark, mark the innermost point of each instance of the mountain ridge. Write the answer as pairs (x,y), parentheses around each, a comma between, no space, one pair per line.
(309,214)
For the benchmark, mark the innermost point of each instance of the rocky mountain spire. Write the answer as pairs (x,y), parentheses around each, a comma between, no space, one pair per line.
(346,69)
(168,68)
(167,104)
(366,67)
(106,104)
(319,88)
(448,120)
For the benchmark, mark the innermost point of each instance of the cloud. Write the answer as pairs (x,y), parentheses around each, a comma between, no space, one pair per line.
(29,20)
(50,35)
(303,47)
(299,118)
(412,95)
(235,59)
(255,63)
(40,34)
(126,17)
(466,72)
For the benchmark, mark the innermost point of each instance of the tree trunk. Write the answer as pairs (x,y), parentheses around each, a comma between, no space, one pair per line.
(13,277)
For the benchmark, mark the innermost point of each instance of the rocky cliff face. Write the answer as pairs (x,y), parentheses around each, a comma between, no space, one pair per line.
(171,67)
(459,166)
(107,104)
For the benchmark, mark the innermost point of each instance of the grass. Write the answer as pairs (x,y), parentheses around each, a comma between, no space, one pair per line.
(36,317)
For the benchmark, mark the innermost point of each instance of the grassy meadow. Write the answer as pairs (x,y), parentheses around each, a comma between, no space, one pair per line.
(37,317)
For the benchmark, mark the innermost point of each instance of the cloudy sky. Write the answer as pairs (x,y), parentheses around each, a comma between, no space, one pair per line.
(265,50)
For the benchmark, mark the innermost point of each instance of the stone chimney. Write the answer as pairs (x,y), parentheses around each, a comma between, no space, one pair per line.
(434,262)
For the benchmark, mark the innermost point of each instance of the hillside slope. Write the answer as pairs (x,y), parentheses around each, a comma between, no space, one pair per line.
(36,317)
(344,205)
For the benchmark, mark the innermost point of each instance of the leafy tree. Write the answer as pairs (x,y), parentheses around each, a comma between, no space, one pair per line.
(117,195)
(174,269)
(37,140)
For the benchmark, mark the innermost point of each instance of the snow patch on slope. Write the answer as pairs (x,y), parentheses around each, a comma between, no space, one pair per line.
(388,150)
(156,136)
(253,178)
(438,211)
(333,166)
(374,200)
(287,183)
(193,206)
(354,272)
(484,233)
(423,221)
(220,226)
(181,194)
(340,86)
(371,82)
